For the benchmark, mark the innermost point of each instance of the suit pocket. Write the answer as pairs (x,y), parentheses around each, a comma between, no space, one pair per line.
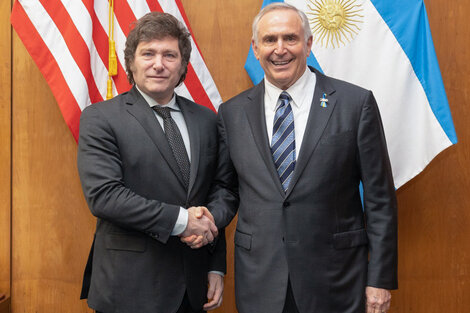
(125,242)
(338,139)
(350,239)
(242,240)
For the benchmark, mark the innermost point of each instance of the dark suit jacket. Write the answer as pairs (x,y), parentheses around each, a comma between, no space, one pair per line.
(317,234)
(132,184)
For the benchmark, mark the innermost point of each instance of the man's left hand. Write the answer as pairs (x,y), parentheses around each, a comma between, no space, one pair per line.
(378,300)
(215,291)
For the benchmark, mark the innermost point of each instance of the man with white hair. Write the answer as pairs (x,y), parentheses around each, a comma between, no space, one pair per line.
(293,151)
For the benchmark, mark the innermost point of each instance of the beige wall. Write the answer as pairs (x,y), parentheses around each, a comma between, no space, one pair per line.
(52,227)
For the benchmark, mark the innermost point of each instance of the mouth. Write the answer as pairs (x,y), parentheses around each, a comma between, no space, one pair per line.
(281,62)
(157,77)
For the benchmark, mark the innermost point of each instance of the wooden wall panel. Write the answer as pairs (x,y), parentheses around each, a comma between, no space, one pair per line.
(52,227)
(434,208)
(5,147)
(5,305)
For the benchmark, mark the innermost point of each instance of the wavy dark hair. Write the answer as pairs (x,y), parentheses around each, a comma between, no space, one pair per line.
(157,25)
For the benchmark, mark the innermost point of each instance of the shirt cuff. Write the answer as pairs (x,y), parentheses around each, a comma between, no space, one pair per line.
(218,273)
(181,222)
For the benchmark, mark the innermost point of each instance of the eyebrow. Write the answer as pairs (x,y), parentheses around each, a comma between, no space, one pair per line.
(268,36)
(163,51)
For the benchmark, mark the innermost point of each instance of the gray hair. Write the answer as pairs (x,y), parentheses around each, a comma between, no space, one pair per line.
(281,6)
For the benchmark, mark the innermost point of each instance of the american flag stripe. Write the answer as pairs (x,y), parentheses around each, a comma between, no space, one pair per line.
(52,37)
(68,40)
(123,15)
(197,60)
(102,13)
(77,46)
(39,51)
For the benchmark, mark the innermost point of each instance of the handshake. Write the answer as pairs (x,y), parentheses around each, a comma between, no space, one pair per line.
(200,229)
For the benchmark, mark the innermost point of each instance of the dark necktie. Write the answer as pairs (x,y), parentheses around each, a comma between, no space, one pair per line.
(283,141)
(176,142)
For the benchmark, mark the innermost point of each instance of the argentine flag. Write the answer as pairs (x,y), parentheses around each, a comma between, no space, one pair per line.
(384,46)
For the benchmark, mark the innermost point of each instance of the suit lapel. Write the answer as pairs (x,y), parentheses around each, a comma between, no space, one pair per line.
(254,109)
(316,124)
(194,139)
(139,108)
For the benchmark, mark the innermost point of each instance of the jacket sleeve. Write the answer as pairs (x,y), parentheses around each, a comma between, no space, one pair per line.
(218,251)
(380,205)
(223,196)
(100,169)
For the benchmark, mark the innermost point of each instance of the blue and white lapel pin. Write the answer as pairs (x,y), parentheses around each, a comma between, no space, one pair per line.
(323,101)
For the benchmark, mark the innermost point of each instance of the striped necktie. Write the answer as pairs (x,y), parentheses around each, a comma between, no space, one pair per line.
(283,141)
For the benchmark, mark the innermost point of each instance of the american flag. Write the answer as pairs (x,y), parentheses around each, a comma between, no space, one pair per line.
(69,42)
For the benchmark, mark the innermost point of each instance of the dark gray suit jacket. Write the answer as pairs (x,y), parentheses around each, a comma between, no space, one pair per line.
(132,184)
(317,234)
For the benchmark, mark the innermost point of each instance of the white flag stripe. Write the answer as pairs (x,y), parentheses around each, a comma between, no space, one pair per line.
(100,72)
(196,59)
(139,7)
(183,91)
(403,104)
(52,37)
(82,21)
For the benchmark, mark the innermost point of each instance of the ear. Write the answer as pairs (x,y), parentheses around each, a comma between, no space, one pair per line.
(309,45)
(255,48)
(131,65)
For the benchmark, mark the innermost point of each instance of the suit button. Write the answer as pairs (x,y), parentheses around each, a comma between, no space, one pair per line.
(152,235)
(286,204)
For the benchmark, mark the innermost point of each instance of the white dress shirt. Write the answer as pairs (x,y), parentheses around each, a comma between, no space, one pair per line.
(301,93)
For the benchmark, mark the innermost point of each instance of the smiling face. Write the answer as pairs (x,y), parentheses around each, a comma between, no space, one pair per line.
(281,48)
(157,68)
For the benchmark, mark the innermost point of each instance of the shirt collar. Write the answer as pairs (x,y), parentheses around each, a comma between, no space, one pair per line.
(151,102)
(296,91)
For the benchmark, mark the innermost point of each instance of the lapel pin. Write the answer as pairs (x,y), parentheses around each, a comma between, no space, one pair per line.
(323,101)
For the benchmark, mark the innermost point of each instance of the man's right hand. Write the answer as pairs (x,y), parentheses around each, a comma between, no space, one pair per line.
(201,229)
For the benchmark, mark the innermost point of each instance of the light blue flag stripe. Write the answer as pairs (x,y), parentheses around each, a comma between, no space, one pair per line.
(410,26)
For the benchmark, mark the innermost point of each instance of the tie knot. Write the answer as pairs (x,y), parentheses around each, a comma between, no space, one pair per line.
(285,98)
(164,112)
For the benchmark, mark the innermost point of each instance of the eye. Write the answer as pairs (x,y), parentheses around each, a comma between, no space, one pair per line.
(147,53)
(269,39)
(291,38)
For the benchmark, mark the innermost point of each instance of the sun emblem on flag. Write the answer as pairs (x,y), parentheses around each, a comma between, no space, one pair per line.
(334,21)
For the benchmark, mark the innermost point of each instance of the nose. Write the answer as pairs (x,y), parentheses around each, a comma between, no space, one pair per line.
(280,47)
(158,63)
